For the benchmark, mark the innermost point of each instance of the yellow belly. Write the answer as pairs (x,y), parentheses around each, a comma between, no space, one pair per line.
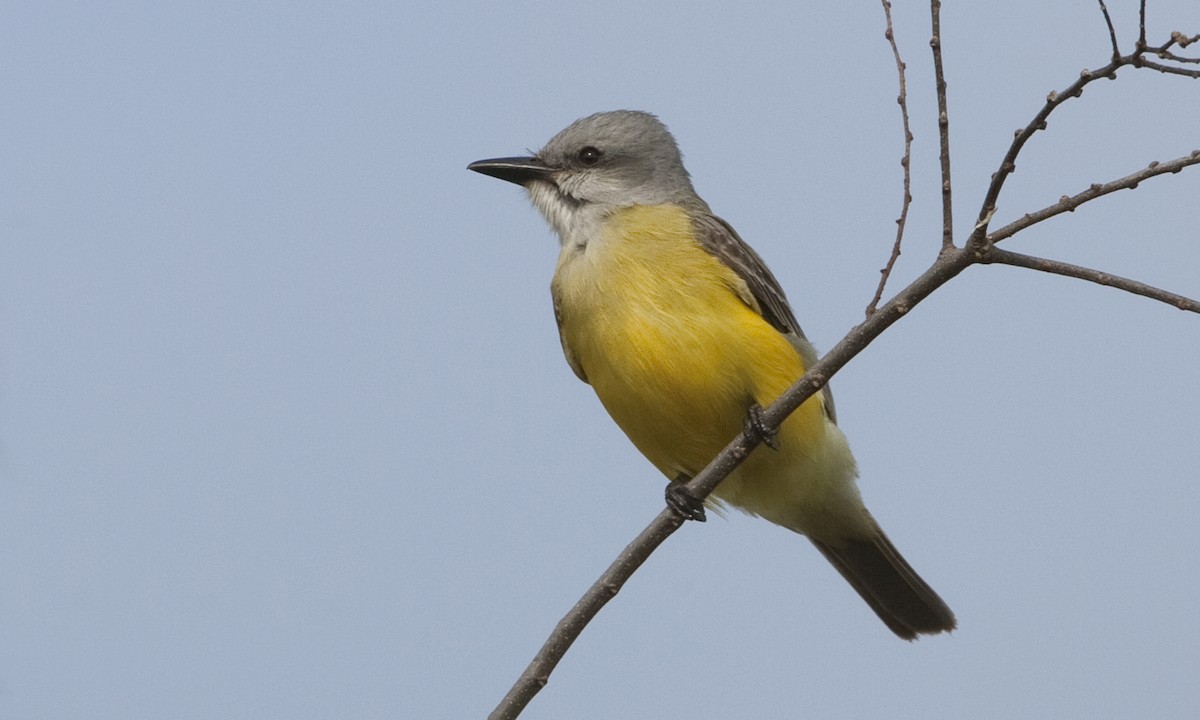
(677,357)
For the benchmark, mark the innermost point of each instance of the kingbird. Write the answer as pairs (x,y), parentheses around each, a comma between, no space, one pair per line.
(683,333)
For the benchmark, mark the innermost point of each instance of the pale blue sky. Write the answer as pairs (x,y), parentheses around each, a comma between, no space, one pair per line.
(285,430)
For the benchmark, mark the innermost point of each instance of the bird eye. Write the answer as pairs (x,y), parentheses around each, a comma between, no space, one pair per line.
(589,155)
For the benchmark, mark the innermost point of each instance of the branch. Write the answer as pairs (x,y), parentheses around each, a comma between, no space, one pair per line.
(905,162)
(606,587)
(1070,203)
(1112,32)
(935,7)
(1163,51)
(1009,164)
(1004,257)
(1177,38)
(1141,41)
(1170,69)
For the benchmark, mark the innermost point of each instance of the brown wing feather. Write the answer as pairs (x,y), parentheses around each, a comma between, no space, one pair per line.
(719,238)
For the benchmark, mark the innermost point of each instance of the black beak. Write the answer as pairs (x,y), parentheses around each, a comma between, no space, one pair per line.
(519,170)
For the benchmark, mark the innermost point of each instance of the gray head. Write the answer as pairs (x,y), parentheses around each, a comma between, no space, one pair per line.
(598,164)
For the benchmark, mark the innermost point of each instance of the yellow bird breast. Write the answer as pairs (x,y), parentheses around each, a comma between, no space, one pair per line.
(677,357)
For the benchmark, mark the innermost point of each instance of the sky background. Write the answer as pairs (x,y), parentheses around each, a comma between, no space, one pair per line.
(285,430)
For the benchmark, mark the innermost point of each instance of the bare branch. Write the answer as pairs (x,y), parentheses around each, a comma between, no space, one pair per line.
(1008,164)
(1164,53)
(905,162)
(1169,69)
(1112,32)
(1141,41)
(1053,101)
(1177,38)
(1005,257)
(935,7)
(1068,203)
(606,587)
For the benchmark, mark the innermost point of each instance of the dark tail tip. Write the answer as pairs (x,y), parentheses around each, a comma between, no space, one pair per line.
(905,603)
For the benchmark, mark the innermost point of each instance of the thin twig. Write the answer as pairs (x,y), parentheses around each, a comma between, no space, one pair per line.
(935,42)
(1068,203)
(606,587)
(1141,41)
(1168,69)
(905,162)
(1112,32)
(1177,38)
(1007,257)
(1168,55)
(1009,164)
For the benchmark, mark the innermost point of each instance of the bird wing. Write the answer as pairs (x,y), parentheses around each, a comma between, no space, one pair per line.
(761,292)
(566,348)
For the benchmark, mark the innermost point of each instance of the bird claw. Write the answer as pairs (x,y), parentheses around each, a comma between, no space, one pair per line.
(683,502)
(756,427)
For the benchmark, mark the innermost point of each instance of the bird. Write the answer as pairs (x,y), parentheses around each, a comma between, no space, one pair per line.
(684,334)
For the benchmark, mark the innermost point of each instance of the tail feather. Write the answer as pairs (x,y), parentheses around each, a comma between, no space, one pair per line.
(905,603)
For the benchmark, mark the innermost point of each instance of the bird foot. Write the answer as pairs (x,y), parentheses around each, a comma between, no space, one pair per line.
(683,502)
(756,427)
